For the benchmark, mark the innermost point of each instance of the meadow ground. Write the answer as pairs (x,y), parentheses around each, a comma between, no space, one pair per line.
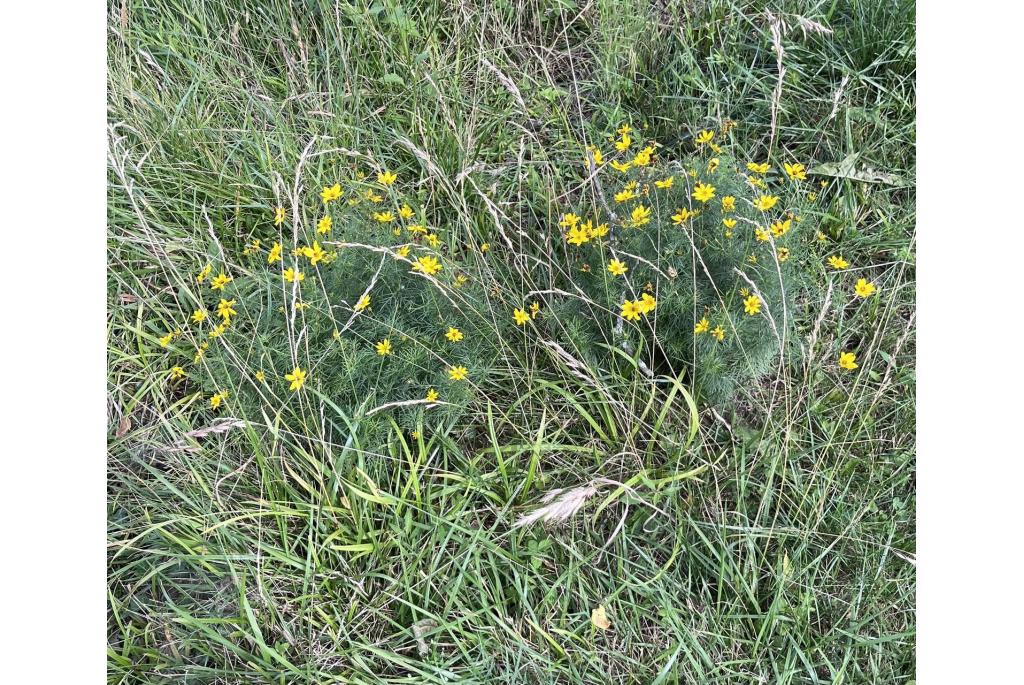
(289,537)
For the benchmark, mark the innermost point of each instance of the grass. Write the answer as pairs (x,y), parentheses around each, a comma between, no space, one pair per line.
(768,541)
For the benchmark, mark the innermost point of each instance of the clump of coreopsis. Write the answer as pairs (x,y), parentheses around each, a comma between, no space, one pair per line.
(692,261)
(702,254)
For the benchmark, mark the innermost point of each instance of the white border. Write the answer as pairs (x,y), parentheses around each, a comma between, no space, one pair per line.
(54,238)
(970,349)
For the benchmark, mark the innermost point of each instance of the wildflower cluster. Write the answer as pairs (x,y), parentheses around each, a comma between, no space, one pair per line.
(692,261)
(702,252)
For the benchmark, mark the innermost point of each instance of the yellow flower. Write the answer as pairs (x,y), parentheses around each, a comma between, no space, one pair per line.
(713,165)
(428,265)
(577,235)
(484,247)
(383,347)
(624,130)
(314,254)
(217,398)
(433,239)
(275,253)
(624,196)
(403,251)
(821,237)
(373,197)
(864,288)
(324,225)
(728,203)
(386,178)
(701,327)
(220,281)
(568,220)
(460,280)
(704,137)
(758,168)
(783,254)
(621,166)
(292,275)
(811,197)
(718,333)
(520,316)
(331,193)
(761,235)
(617,268)
(177,373)
(643,158)
(384,217)
(837,262)
(416,229)
(279,216)
(220,329)
(458,373)
(796,172)
(646,304)
(599,231)
(405,211)
(297,377)
(454,334)
(847,360)
(623,143)
(598,157)
(166,340)
(260,376)
(225,308)
(199,316)
(682,215)
(780,228)
(729,223)
(752,305)
(363,303)
(752,259)
(630,310)
(432,395)
(202,275)
(534,309)
(641,215)
(765,202)
(703,192)
(665,182)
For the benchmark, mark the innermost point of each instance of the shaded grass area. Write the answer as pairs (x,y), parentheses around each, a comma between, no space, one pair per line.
(265,554)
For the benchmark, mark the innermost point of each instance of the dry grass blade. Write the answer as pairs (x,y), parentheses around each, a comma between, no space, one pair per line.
(222,426)
(559,506)
(776,27)
(507,82)
(809,26)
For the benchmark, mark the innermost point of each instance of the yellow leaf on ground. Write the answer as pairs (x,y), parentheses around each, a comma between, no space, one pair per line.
(600,618)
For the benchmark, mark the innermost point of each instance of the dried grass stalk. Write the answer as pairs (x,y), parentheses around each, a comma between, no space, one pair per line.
(559,506)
